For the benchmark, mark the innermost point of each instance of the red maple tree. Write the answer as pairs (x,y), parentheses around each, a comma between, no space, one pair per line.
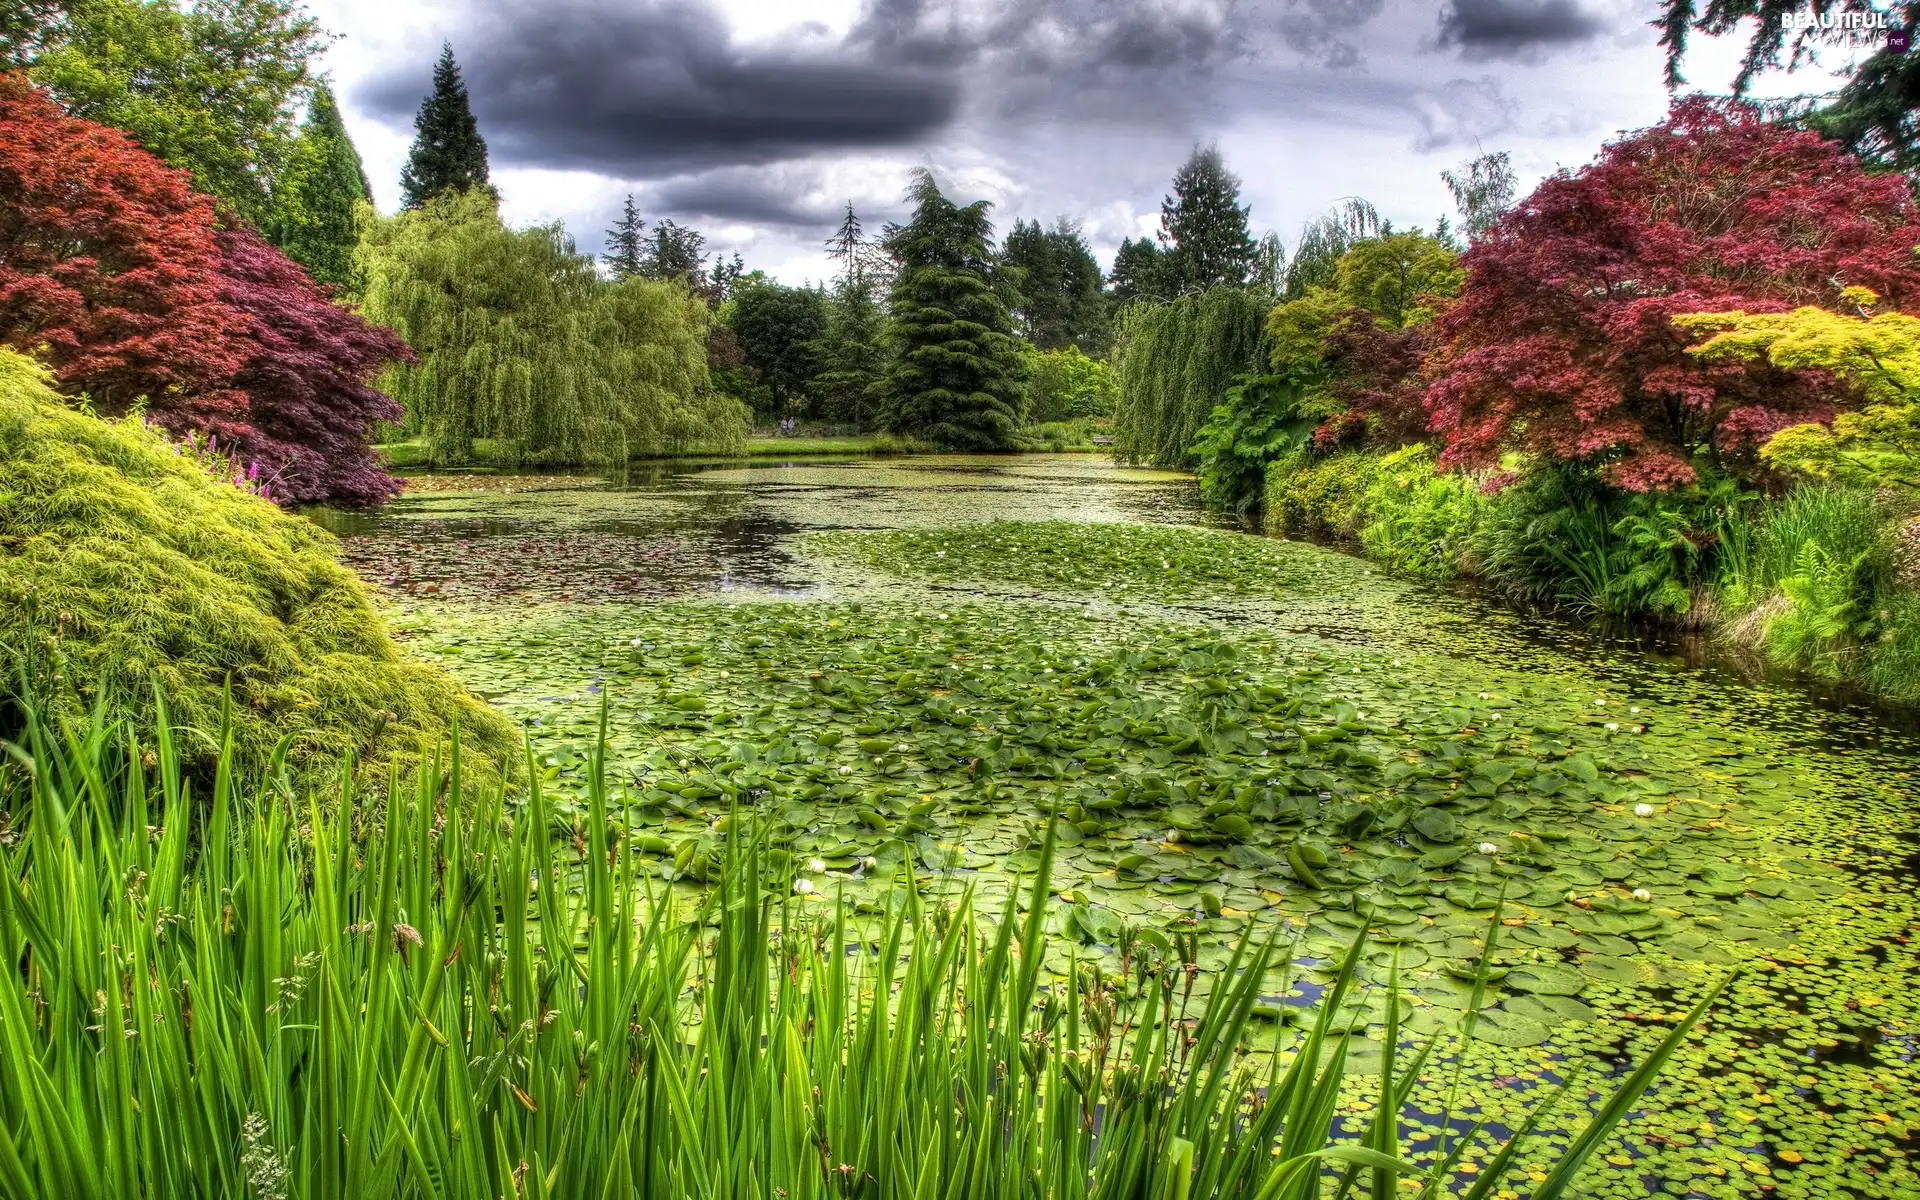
(135,290)
(307,377)
(1562,341)
(108,268)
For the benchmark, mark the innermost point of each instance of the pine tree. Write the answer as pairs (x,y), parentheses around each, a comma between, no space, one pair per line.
(317,199)
(1060,303)
(1139,269)
(675,252)
(1203,227)
(448,152)
(626,243)
(957,376)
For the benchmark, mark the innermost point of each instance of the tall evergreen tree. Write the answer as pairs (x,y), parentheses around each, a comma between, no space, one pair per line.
(626,243)
(852,379)
(1203,227)
(317,199)
(957,376)
(1139,270)
(1060,302)
(675,252)
(448,152)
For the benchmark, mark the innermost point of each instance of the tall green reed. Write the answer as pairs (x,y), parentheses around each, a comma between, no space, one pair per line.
(238,991)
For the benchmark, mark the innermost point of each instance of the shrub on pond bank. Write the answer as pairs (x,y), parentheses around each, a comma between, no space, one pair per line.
(124,565)
(521,341)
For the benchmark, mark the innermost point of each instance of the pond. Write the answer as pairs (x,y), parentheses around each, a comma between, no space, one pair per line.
(913,666)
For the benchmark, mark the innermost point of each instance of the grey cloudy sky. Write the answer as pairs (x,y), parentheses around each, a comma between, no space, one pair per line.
(756,120)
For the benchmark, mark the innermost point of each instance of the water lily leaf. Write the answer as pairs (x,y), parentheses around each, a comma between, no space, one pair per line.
(1437,825)
(1546,980)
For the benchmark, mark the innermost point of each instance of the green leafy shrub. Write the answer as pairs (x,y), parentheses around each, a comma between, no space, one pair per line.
(1326,495)
(1563,536)
(1066,385)
(1417,522)
(1893,663)
(124,566)
(1822,574)
(1257,423)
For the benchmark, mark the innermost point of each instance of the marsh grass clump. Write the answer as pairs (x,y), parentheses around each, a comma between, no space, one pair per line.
(125,566)
(495,999)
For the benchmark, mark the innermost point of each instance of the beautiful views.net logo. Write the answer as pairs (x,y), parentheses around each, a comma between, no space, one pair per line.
(1849,26)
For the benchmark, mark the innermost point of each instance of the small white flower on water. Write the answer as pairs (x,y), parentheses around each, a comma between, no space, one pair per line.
(1642,894)
(683,764)
(1396,662)
(636,643)
(1488,848)
(803,886)
(1599,703)
(1643,810)
(939,553)
(902,747)
(1613,724)
(1494,717)
(1486,695)
(816,865)
(1639,728)
(1634,709)
(846,770)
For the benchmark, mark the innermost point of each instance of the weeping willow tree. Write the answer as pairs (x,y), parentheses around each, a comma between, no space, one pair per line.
(1174,363)
(520,340)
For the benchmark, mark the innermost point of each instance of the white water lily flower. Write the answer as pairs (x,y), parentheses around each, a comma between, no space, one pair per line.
(846,770)
(1599,703)
(1488,848)
(1643,810)
(1642,894)
(1613,724)
(803,886)
(1494,717)
(1634,709)
(636,643)
(816,865)
(939,553)
(902,747)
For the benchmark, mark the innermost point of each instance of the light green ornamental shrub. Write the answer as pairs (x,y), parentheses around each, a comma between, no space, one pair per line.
(124,565)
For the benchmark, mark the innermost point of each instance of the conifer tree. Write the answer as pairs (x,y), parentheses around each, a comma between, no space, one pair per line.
(626,243)
(957,376)
(1203,227)
(1060,302)
(1138,272)
(675,252)
(317,200)
(448,152)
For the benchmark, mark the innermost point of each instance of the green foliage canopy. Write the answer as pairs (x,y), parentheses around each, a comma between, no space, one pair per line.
(520,339)
(1061,303)
(1174,362)
(1875,446)
(212,87)
(318,198)
(779,329)
(1068,386)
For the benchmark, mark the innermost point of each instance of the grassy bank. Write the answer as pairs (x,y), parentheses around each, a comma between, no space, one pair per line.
(1821,579)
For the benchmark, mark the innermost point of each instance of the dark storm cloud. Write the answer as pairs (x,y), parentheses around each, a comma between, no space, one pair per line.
(1514,29)
(791,199)
(632,90)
